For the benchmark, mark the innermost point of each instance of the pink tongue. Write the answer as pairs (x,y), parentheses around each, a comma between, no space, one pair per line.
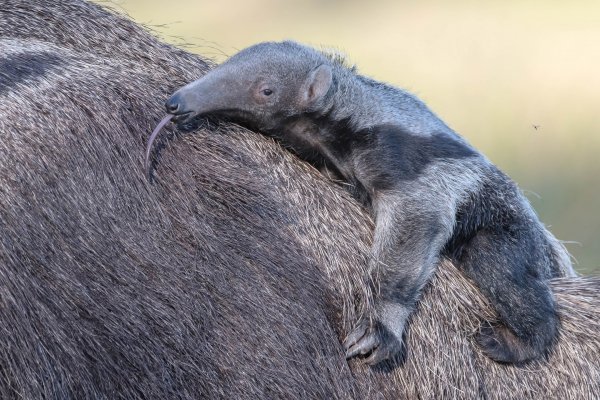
(155,133)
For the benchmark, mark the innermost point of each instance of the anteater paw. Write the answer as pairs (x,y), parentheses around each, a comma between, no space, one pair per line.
(500,344)
(375,342)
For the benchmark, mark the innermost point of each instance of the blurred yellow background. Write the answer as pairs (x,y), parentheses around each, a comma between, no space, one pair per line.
(519,79)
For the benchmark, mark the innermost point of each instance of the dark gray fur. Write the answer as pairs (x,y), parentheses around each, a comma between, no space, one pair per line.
(431,194)
(19,68)
(233,276)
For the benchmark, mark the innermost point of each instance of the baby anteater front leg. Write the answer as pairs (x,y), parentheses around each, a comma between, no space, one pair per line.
(406,245)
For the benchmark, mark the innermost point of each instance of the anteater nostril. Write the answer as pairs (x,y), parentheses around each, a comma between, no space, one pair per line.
(172,105)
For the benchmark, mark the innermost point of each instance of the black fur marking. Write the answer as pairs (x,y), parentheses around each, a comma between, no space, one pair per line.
(484,208)
(504,215)
(18,68)
(376,158)
(395,155)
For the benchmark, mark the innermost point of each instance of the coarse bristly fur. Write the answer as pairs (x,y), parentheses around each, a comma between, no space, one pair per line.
(431,194)
(234,276)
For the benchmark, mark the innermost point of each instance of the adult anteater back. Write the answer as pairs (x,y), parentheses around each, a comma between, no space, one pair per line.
(223,279)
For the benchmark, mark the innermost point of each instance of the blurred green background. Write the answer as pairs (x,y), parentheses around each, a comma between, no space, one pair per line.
(519,79)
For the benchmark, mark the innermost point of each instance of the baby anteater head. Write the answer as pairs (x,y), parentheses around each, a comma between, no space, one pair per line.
(259,86)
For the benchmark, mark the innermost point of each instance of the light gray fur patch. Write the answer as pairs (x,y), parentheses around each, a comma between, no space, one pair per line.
(394,316)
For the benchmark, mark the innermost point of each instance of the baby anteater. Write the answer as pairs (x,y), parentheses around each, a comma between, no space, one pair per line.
(432,195)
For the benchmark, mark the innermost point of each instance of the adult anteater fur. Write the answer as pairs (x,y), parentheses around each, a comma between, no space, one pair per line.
(232,276)
(431,193)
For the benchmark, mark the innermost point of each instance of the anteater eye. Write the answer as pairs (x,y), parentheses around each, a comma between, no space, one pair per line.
(267,92)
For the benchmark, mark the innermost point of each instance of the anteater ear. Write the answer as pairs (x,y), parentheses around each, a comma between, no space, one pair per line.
(316,85)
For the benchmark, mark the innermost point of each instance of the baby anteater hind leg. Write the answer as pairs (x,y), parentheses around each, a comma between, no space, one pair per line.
(503,266)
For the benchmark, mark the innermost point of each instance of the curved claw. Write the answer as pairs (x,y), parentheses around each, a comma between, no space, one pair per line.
(356,334)
(378,355)
(374,341)
(366,344)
